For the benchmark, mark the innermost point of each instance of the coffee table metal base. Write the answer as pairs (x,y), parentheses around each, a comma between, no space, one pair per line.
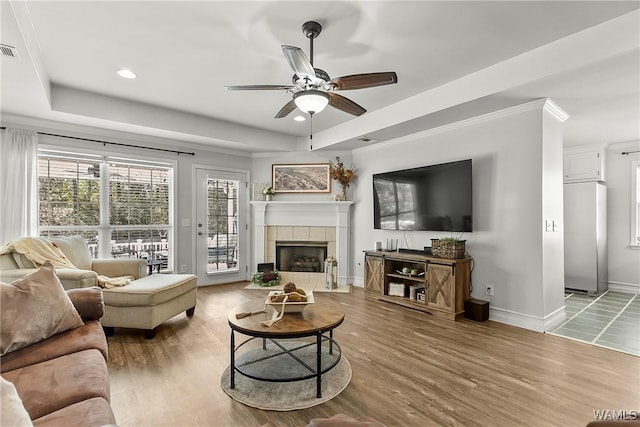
(263,365)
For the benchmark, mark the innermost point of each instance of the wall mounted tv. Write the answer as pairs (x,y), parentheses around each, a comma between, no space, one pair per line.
(429,198)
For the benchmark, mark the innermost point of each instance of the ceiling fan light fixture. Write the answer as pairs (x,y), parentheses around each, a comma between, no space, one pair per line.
(311,101)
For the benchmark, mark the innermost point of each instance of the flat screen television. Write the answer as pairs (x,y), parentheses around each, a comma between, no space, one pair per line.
(429,198)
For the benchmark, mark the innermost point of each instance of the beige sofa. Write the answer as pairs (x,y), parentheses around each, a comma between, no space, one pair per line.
(145,303)
(14,266)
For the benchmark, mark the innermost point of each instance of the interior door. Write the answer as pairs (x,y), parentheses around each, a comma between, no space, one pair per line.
(221,226)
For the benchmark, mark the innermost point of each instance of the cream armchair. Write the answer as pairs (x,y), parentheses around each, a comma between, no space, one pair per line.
(144,303)
(15,265)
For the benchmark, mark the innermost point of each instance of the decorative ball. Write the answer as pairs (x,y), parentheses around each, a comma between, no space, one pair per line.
(294,297)
(289,287)
(414,272)
(405,270)
(277,297)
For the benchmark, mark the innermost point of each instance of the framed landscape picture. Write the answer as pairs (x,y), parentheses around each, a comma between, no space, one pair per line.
(301,178)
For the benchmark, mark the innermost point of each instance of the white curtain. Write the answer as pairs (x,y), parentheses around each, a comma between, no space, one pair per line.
(18,184)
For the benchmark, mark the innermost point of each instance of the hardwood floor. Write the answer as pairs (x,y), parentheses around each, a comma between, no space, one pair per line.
(409,369)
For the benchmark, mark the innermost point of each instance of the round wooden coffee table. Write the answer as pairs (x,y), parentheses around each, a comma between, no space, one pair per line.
(315,321)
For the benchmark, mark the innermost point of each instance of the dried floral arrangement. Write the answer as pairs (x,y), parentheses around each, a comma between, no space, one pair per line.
(342,175)
(268,191)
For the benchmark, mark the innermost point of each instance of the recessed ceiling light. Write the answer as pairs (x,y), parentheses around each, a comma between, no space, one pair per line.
(367,139)
(299,118)
(127,74)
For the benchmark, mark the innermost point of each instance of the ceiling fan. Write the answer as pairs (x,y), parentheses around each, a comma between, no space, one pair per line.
(312,88)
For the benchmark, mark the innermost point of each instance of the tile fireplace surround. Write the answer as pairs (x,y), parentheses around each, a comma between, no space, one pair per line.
(300,222)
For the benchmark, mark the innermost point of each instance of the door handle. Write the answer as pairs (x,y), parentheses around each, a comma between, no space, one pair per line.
(200,233)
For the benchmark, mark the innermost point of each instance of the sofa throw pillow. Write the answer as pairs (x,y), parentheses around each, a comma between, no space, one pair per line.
(33,308)
(13,412)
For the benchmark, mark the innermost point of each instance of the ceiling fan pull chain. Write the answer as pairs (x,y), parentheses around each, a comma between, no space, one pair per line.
(311,132)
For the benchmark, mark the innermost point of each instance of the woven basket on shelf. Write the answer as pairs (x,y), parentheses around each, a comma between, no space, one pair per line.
(448,248)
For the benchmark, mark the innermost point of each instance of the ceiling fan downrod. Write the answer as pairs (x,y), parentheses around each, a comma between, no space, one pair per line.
(311,29)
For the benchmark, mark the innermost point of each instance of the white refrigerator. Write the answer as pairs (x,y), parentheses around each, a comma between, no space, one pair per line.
(585,237)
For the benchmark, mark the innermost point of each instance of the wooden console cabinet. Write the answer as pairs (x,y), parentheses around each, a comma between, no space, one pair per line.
(446,282)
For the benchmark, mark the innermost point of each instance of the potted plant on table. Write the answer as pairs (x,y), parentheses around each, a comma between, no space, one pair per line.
(448,247)
(268,193)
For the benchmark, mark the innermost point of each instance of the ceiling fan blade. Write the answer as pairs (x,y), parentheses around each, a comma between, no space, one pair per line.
(298,61)
(259,87)
(345,104)
(362,81)
(286,109)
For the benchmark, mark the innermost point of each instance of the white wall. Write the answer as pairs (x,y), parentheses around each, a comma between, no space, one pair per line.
(507,242)
(624,261)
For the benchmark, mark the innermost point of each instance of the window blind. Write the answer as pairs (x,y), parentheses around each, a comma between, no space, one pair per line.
(120,206)
(138,194)
(69,191)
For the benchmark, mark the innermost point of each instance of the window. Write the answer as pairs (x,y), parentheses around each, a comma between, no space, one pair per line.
(222,227)
(122,207)
(635,204)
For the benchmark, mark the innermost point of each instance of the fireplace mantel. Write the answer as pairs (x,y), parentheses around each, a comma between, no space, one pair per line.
(305,213)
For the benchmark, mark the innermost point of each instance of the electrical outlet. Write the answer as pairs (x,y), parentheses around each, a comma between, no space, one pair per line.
(489,290)
(183,268)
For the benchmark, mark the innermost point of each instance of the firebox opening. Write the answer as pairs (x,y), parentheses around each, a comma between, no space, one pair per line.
(301,256)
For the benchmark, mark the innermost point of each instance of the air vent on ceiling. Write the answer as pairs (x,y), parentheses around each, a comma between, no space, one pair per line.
(9,51)
(367,139)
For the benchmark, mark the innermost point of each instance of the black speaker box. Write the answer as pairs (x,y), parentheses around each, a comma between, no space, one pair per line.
(265,267)
(476,309)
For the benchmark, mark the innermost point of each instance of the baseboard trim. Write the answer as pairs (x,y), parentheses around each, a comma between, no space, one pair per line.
(555,319)
(629,288)
(528,321)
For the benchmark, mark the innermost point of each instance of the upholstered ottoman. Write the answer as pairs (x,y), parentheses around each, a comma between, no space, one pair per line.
(148,302)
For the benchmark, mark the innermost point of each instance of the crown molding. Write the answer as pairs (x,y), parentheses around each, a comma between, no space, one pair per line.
(553,108)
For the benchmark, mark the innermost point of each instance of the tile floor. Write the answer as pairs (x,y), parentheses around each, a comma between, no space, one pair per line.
(611,320)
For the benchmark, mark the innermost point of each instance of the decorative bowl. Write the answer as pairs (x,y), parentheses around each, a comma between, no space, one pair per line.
(290,307)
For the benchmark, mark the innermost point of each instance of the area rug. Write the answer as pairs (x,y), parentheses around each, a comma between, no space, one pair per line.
(289,396)
(342,289)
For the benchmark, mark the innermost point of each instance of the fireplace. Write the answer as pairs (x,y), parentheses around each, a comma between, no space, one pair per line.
(303,224)
(301,256)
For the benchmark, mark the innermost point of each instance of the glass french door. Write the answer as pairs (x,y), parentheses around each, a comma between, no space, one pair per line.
(221,230)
